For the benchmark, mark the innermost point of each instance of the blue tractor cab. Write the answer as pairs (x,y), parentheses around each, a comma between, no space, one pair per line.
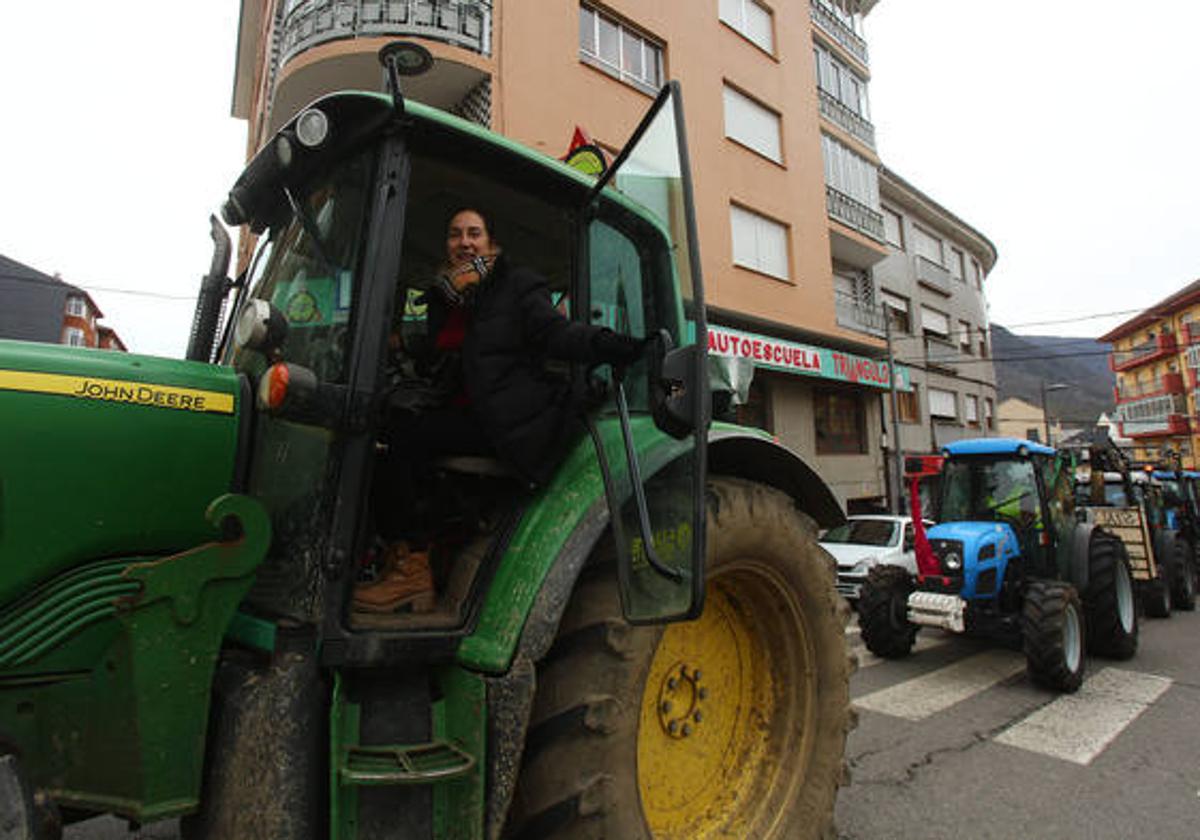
(1010,561)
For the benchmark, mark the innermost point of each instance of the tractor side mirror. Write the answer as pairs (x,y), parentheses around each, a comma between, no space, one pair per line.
(673,388)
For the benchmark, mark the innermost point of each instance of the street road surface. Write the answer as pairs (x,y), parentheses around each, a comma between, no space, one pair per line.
(956,742)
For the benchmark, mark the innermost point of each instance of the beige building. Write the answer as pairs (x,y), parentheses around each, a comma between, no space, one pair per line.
(782,153)
(1016,418)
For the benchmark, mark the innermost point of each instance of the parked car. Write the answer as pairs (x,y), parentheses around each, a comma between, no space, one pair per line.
(866,541)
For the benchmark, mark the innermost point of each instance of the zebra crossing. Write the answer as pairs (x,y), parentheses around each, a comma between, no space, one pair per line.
(1074,728)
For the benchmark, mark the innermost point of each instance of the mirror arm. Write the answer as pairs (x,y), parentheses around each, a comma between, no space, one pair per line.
(639,492)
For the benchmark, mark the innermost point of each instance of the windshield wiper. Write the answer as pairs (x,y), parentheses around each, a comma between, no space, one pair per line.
(310,227)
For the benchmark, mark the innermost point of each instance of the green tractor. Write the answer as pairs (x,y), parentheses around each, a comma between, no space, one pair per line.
(648,645)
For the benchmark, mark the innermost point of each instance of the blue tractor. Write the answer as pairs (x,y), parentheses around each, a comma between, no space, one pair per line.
(1009,559)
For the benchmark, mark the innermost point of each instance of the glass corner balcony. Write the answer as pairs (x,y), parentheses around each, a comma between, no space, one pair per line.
(461,23)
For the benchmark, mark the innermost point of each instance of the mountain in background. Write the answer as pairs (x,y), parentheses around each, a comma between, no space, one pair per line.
(1024,362)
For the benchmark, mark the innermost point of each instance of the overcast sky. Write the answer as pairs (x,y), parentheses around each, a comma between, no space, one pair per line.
(1064,131)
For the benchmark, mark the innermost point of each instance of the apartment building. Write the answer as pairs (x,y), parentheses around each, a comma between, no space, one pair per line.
(931,286)
(782,152)
(1156,358)
(39,307)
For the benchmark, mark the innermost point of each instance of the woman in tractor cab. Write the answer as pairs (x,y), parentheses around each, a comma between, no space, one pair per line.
(491,326)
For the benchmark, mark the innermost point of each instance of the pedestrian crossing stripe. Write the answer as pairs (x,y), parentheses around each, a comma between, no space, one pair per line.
(1078,727)
(928,694)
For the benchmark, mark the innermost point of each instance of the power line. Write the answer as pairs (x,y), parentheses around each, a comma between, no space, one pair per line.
(89,288)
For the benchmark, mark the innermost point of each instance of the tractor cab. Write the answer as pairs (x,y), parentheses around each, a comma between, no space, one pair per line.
(1003,509)
(329,328)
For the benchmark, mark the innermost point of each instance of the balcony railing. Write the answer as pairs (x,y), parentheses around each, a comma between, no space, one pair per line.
(854,213)
(1172,424)
(942,354)
(1191,333)
(1168,383)
(1148,351)
(845,118)
(932,275)
(829,22)
(856,315)
(463,23)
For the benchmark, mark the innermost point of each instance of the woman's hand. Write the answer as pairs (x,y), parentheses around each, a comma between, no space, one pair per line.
(472,272)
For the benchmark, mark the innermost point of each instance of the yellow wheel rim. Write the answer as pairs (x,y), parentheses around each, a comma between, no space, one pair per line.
(722,732)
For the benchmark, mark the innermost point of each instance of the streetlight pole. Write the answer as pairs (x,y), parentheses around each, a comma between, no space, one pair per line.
(1058,386)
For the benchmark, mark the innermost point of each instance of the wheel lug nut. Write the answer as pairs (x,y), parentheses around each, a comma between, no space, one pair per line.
(672,683)
(687,730)
(697,716)
(702,693)
(672,726)
(696,675)
(666,706)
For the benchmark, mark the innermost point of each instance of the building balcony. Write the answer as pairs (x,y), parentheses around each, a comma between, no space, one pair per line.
(829,23)
(932,276)
(1191,333)
(317,54)
(1156,348)
(462,23)
(1170,426)
(845,119)
(1168,383)
(941,354)
(1154,416)
(854,214)
(862,317)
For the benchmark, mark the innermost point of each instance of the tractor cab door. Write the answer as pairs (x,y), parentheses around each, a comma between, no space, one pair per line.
(640,276)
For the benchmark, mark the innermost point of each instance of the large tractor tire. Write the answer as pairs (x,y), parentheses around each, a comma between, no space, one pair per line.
(733,725)
(1109,607)
(1052,628)
(1183,577)
(883,612)
(1156,594)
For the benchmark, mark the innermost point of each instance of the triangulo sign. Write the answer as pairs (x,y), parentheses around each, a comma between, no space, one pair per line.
(804,359)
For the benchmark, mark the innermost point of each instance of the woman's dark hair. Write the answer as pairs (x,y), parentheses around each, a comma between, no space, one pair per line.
(483,214)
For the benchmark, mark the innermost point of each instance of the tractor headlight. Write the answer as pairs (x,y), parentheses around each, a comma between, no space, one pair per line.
(312,127)
(952,561)
(864,566)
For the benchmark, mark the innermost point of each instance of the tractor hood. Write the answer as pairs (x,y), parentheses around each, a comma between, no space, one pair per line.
(985,549)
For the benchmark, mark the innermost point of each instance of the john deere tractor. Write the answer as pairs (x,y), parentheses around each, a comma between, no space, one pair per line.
(648,645)
(1009,560)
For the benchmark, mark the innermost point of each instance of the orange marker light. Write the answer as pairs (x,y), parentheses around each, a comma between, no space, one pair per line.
(273,387)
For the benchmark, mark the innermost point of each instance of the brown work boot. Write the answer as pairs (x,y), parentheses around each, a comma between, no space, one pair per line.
(405,581)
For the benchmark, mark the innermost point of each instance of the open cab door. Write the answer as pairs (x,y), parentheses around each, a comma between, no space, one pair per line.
(640,276)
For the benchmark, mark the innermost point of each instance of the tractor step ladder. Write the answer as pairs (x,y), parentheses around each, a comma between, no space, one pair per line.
(437,761)
(405,762)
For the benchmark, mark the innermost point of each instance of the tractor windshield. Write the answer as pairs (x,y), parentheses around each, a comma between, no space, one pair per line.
(989,489)
(308,270)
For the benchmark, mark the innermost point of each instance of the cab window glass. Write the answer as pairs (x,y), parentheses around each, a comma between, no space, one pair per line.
(309,273)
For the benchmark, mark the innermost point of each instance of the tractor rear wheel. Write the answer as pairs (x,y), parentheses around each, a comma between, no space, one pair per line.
(1053,631)
(733,725)
(1183,590)
(1109,602)
(883,612)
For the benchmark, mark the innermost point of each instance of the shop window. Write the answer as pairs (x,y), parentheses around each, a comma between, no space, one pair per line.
(841,423)
(756,411)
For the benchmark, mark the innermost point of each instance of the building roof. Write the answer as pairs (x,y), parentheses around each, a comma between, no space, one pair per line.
(1166,307)
(31,303)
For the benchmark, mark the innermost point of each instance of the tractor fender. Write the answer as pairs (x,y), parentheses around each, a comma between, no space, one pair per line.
(1080,548)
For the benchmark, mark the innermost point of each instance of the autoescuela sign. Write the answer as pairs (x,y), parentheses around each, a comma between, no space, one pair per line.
(804,359)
